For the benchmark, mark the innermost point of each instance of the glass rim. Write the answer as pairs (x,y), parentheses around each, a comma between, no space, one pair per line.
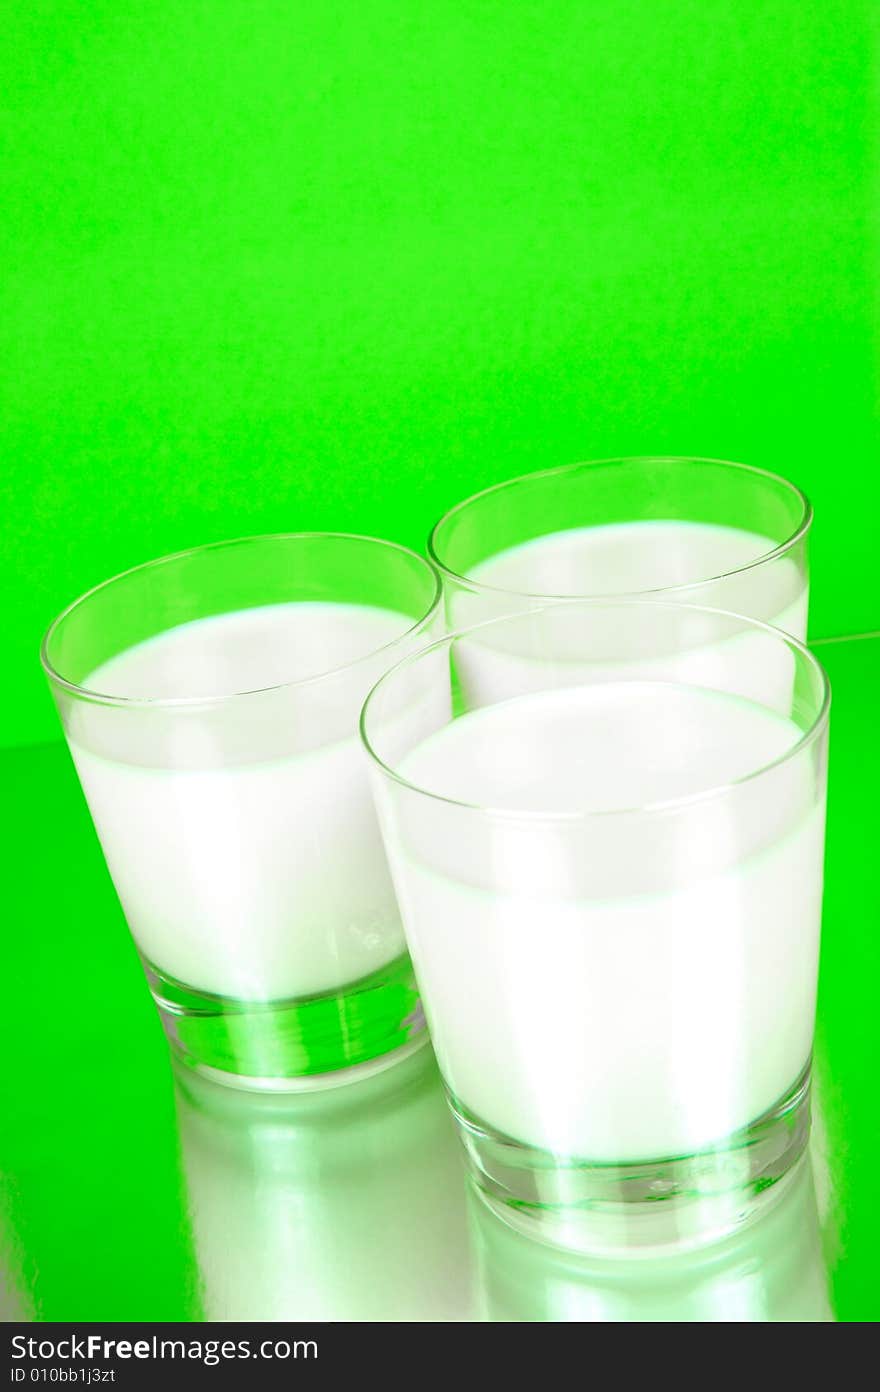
(479,587)
(817,726)
(98,698)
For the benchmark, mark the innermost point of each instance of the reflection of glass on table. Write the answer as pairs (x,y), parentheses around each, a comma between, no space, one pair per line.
(772,1271)
(348,1204)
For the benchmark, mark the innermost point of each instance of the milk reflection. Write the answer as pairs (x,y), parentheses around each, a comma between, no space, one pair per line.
(772,1271)
(347,1204)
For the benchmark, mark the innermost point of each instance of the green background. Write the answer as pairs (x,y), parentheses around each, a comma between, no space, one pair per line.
(270,265)
(274,265)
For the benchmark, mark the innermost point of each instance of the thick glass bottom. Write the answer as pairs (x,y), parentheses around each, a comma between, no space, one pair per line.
(647,1207)
(294,1045)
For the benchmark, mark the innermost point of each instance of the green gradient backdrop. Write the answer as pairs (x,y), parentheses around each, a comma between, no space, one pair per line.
(275,265)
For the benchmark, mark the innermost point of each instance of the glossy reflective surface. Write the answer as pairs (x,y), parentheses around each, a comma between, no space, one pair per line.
(774,1270)
(345,1205)
(128,1193)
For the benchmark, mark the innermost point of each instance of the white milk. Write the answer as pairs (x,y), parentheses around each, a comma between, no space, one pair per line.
(241,836)
(623,986)
(629,559)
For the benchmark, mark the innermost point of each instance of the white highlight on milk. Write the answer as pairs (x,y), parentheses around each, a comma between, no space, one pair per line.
(241,836)
(627,985)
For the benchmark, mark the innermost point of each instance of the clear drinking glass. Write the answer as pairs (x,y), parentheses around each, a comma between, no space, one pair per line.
(210,702)
(605,825)
(696,531)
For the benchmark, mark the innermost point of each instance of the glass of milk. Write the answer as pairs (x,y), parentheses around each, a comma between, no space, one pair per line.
(210,702)
(605,825)
(697,531)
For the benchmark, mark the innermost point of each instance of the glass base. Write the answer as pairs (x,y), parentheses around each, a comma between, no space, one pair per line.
(643,1208)
(294,1045)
